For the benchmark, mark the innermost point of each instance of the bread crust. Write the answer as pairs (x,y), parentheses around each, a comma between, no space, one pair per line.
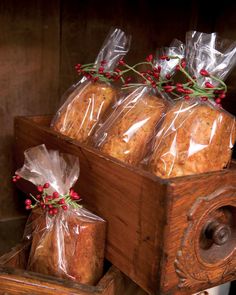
(133,128)
(84,108)
(71,247)
(194,138)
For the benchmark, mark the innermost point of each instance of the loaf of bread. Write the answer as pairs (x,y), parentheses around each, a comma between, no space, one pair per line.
(84,108)
(194,138)
(133,127)
(68,246)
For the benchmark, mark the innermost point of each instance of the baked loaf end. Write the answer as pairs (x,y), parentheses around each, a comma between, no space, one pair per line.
(74,251)
(86,106)
(129,135)
(194,138)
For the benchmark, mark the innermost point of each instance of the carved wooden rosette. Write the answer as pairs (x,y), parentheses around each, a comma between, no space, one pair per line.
(208,249)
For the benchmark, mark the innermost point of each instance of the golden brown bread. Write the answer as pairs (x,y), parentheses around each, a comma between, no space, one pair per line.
(71,247)
(194,138)
(133,128)
(84,108)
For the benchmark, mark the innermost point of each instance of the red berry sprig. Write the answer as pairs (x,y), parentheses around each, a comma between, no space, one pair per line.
(51,203)
(192,89)
(153,77)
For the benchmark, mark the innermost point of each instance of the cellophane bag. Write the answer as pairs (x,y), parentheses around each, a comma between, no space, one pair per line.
(197,135)
(127,132)
(87,102)
(68,243)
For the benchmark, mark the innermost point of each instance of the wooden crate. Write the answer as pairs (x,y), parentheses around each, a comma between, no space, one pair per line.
(15,280)
(175,236)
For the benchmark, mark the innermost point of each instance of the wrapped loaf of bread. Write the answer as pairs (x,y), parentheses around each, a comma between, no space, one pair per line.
(194,138)
(126,134)
(197,135)
(85,107)
(88,102)
(133,128)
(70,246)
(67,240)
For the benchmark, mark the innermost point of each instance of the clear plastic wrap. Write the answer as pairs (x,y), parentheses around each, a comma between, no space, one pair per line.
(127,132)
(69,242)
(197,135)
(87,102)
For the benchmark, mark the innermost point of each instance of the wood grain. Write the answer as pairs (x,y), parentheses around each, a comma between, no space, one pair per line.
(132,201)
(151,221)
(14,280)
(84,26)
(29,71)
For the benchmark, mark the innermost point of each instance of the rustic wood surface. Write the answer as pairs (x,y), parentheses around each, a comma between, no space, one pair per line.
(133,201)
(195,260)
(29,71)
(41,41)
(155,231)
(14,280)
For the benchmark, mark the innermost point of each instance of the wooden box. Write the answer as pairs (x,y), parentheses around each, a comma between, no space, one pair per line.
(175,236)
(15,280)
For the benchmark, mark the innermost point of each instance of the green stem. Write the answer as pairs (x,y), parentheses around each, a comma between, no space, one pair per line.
(137,72)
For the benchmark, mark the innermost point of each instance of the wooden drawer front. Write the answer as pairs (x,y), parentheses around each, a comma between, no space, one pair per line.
(154,225)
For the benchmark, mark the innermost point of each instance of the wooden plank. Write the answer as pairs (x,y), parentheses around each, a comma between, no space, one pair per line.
(22,282)
(86,24)
(131,200)
(29,71)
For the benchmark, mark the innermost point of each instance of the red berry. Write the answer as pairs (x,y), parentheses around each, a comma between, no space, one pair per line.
(149,58)
(108,75)
(62,201)
(28,202)
(28,207)
(179,85)
(14,179)
(38,197)
(218,100)
(55,211)
(40,188)
(117,70)
(209,85)
(50,206)
(46,185)
(65,207)
(188,91)
(78,66)
(177,68)
(103,62)
(101,70)
(128,79)
(50,212)
(43,206)
(204,73)
(75,197)
(181,90)
(221,96)
(187,97)
(183,63)
(204,98)
(121,62)
(17,177)
(168,76)
(49,197)
(156,75)
(95,79)
(55,195)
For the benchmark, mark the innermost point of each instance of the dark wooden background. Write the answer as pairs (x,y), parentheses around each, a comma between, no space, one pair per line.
(41,41)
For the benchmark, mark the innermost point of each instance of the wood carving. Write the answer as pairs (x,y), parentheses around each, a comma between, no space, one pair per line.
(208,244)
